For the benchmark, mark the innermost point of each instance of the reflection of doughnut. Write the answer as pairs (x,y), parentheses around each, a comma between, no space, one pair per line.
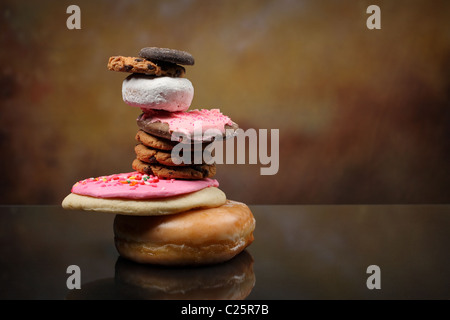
(162,93)
(230,280)
(101,289)
(195,237)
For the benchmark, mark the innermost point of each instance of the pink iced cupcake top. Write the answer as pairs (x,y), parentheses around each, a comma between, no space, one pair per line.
(134,185)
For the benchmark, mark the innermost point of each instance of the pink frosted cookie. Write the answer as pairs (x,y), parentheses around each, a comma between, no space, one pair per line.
(195,125)
(139,194)
(134,185)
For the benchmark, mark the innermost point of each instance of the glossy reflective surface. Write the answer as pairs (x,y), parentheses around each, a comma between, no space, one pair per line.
(299,252)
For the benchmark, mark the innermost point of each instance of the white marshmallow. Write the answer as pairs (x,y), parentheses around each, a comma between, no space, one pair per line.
(161,93)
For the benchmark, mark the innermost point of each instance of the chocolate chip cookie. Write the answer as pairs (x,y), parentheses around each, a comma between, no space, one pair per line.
(142,65)
(193,172)
(154,141)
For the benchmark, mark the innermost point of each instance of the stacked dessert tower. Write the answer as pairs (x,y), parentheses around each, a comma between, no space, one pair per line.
(169,210)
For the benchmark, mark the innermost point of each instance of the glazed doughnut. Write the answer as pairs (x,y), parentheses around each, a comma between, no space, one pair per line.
(196,237)
(160,93)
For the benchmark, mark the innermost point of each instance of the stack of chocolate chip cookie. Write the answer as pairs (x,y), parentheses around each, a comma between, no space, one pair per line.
(153,157)
(157,86)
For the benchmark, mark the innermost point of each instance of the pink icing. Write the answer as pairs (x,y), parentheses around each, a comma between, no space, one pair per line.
(134,185)
(186,122)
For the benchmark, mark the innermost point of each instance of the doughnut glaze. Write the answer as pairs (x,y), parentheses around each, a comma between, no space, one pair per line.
(195,237)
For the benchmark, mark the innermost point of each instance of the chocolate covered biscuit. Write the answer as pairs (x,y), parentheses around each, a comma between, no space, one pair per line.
(167,55)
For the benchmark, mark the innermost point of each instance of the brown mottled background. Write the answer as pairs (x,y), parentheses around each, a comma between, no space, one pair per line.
(364,115)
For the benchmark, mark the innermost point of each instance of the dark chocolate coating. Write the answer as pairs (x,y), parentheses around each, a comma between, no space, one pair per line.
(167,55)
